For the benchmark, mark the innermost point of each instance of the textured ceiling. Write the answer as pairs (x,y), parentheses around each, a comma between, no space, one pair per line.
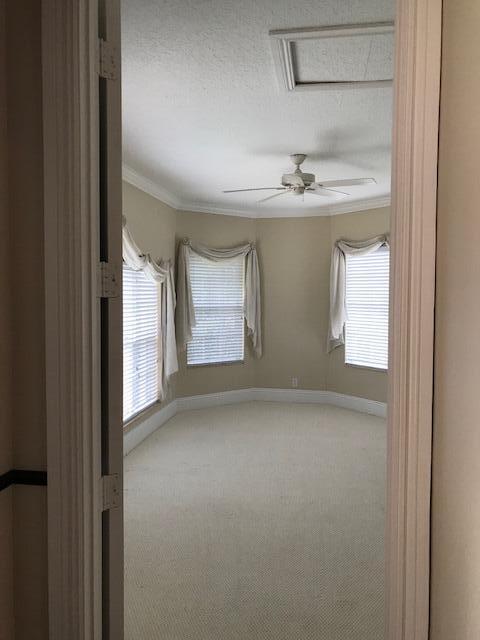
(203,110)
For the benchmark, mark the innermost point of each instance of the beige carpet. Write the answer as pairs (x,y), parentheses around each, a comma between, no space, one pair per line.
(258,521)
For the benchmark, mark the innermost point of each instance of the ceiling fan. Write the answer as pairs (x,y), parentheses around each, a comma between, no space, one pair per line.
(299,183)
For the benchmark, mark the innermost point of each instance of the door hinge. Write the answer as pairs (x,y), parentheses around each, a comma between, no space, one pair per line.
(108,280)
(107,60)
(111,491)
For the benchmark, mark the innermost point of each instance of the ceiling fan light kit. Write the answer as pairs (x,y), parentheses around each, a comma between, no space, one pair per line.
(299,183)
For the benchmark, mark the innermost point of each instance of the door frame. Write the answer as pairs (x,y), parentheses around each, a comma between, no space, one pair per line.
(72,321)
(411,349)
(71,160)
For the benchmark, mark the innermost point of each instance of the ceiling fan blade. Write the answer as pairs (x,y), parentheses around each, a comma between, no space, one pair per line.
(318,190)
(275,195)
(349,182)
(255,189)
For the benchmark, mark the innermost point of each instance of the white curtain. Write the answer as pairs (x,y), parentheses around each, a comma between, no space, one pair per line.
(185,308)
(160,272)
(338,310)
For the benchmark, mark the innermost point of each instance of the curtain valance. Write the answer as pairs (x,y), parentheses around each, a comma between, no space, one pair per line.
(161,272)
(252,307)
(338,311)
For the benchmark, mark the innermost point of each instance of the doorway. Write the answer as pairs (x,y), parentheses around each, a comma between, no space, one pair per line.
(405,219)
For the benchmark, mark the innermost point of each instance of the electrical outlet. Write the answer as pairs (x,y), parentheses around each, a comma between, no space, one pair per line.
(294,382)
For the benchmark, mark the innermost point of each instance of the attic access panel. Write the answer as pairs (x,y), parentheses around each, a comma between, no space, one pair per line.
(334,57)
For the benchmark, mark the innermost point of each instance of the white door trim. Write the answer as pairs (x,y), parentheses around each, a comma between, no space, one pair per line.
(414,210)
(71,208)
(71,215)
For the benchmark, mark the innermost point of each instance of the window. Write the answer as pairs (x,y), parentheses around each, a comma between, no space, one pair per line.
(366,329)
(140,342)
(218,299)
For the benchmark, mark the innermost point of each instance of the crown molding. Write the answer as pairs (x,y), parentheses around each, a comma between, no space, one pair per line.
(350,206)
(195,207)
(148,186)
(157,191)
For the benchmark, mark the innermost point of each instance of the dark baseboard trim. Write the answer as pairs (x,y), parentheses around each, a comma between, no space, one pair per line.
(22,476)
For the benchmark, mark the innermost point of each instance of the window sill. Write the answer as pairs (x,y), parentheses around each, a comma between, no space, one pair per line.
(214,364)
(138,418)
(366,367)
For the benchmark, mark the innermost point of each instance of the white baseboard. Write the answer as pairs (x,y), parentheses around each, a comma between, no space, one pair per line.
(215,399)
(303,396)
(283,395)
(134,437)
(363,405)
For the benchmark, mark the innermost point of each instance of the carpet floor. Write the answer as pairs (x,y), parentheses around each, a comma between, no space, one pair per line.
(257,521)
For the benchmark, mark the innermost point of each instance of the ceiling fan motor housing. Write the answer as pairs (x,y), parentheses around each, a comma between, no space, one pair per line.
(291,179)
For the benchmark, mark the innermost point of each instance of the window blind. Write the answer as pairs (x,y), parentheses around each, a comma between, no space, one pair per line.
(140,342)
(218,299)
(367,291)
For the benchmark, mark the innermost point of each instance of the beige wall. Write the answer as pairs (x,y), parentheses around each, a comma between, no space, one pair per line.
(295,263)
(294,256)
(6,358)
(26,206)
(22,352)
(152,223)
(455,611)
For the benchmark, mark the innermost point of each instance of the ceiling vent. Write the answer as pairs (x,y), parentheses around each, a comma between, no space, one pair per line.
(334,57)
